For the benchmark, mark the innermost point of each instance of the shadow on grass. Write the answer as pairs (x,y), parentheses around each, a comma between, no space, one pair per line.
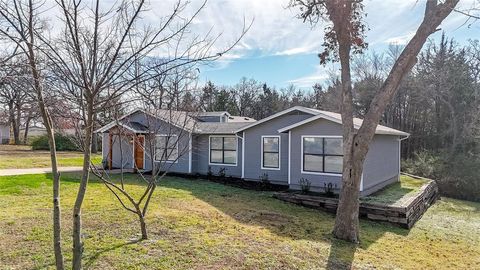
(341,255)
(280,218)
(90,260)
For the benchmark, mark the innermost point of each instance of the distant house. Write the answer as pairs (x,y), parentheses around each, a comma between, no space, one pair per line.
(4,133)
(294,144)
(33,131)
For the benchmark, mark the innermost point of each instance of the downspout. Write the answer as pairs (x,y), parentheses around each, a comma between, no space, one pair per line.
(243,150)
(400,154)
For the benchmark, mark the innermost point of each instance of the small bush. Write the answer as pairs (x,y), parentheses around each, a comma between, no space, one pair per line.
(457,175)
(62,143)
(264,178)
(425,163)
(222,173)
(329,189)
(305,185)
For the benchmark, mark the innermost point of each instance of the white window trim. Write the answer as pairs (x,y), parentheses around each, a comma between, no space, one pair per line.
(236,150)
(279,152)
(155,149)
(301,155)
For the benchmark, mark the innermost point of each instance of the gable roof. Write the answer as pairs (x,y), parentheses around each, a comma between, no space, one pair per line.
(295,108)
(337,118)
(178,119)
(217,113)
(181,119)
(237,119)
(218,128)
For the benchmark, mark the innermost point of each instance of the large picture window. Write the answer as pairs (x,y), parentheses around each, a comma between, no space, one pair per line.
(166,148)
(322,155)
(271,152)
(223,150)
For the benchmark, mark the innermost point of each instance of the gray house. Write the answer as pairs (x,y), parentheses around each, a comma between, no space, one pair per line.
(294,144)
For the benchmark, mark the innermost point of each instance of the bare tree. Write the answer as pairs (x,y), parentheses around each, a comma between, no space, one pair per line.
(162,151)
(345,34)
(94,58)
(19,24)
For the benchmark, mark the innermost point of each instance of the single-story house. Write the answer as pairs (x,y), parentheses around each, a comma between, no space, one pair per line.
(291,147)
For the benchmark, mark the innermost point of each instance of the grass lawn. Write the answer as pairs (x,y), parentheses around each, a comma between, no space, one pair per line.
(195,224)
(398,192)
(22,156)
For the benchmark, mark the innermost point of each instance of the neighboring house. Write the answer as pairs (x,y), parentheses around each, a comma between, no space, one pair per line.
(294,144)
(33,131)
(4,133)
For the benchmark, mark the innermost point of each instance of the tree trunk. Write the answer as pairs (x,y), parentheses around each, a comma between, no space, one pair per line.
(47,121)
(27,126)
(143,225)
(13,122)
(77,209)
(356,144)
(94,136)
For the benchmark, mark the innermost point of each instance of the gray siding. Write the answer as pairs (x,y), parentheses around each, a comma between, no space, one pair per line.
(122,153)
(4,134)
(381,165)
(158,127)
(201,160)
(253,146)
(382,162)
(320,127)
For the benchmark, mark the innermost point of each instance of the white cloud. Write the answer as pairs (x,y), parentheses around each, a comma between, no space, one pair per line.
(320,75)
(400,40)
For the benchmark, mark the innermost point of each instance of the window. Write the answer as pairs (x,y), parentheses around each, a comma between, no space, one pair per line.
(223,150)
(271,152)
(323,155)
(166,148)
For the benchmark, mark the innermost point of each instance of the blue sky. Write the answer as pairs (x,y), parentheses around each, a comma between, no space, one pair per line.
(281,50)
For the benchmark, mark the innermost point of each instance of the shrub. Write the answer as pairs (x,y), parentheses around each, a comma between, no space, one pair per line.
(305,185)
(62,143)
(222,173)
(424,163)
(209,173)
(329,189)
(264,178)
(457,175)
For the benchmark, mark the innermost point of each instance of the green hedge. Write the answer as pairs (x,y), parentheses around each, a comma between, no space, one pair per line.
(62,143)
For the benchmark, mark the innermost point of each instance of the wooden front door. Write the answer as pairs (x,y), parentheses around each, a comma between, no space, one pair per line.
(138,151)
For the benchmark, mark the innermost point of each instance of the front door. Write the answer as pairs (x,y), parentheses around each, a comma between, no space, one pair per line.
(138,152)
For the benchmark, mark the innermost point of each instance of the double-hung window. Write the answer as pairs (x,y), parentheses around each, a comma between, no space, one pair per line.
(322,154)
(223,150)
(271,152)
(166,148)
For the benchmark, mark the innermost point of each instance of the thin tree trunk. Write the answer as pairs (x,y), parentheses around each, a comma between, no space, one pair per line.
(27,126)
(57,238)
(143,225)
(77,209)
(94,136)
(13,122)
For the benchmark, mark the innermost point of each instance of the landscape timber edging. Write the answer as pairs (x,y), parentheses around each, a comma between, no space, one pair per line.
(405,215)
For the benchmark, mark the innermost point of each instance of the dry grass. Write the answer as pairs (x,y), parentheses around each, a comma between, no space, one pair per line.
(22,156)
(196,224)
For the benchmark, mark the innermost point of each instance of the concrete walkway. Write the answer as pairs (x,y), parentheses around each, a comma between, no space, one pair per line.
(5,172)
